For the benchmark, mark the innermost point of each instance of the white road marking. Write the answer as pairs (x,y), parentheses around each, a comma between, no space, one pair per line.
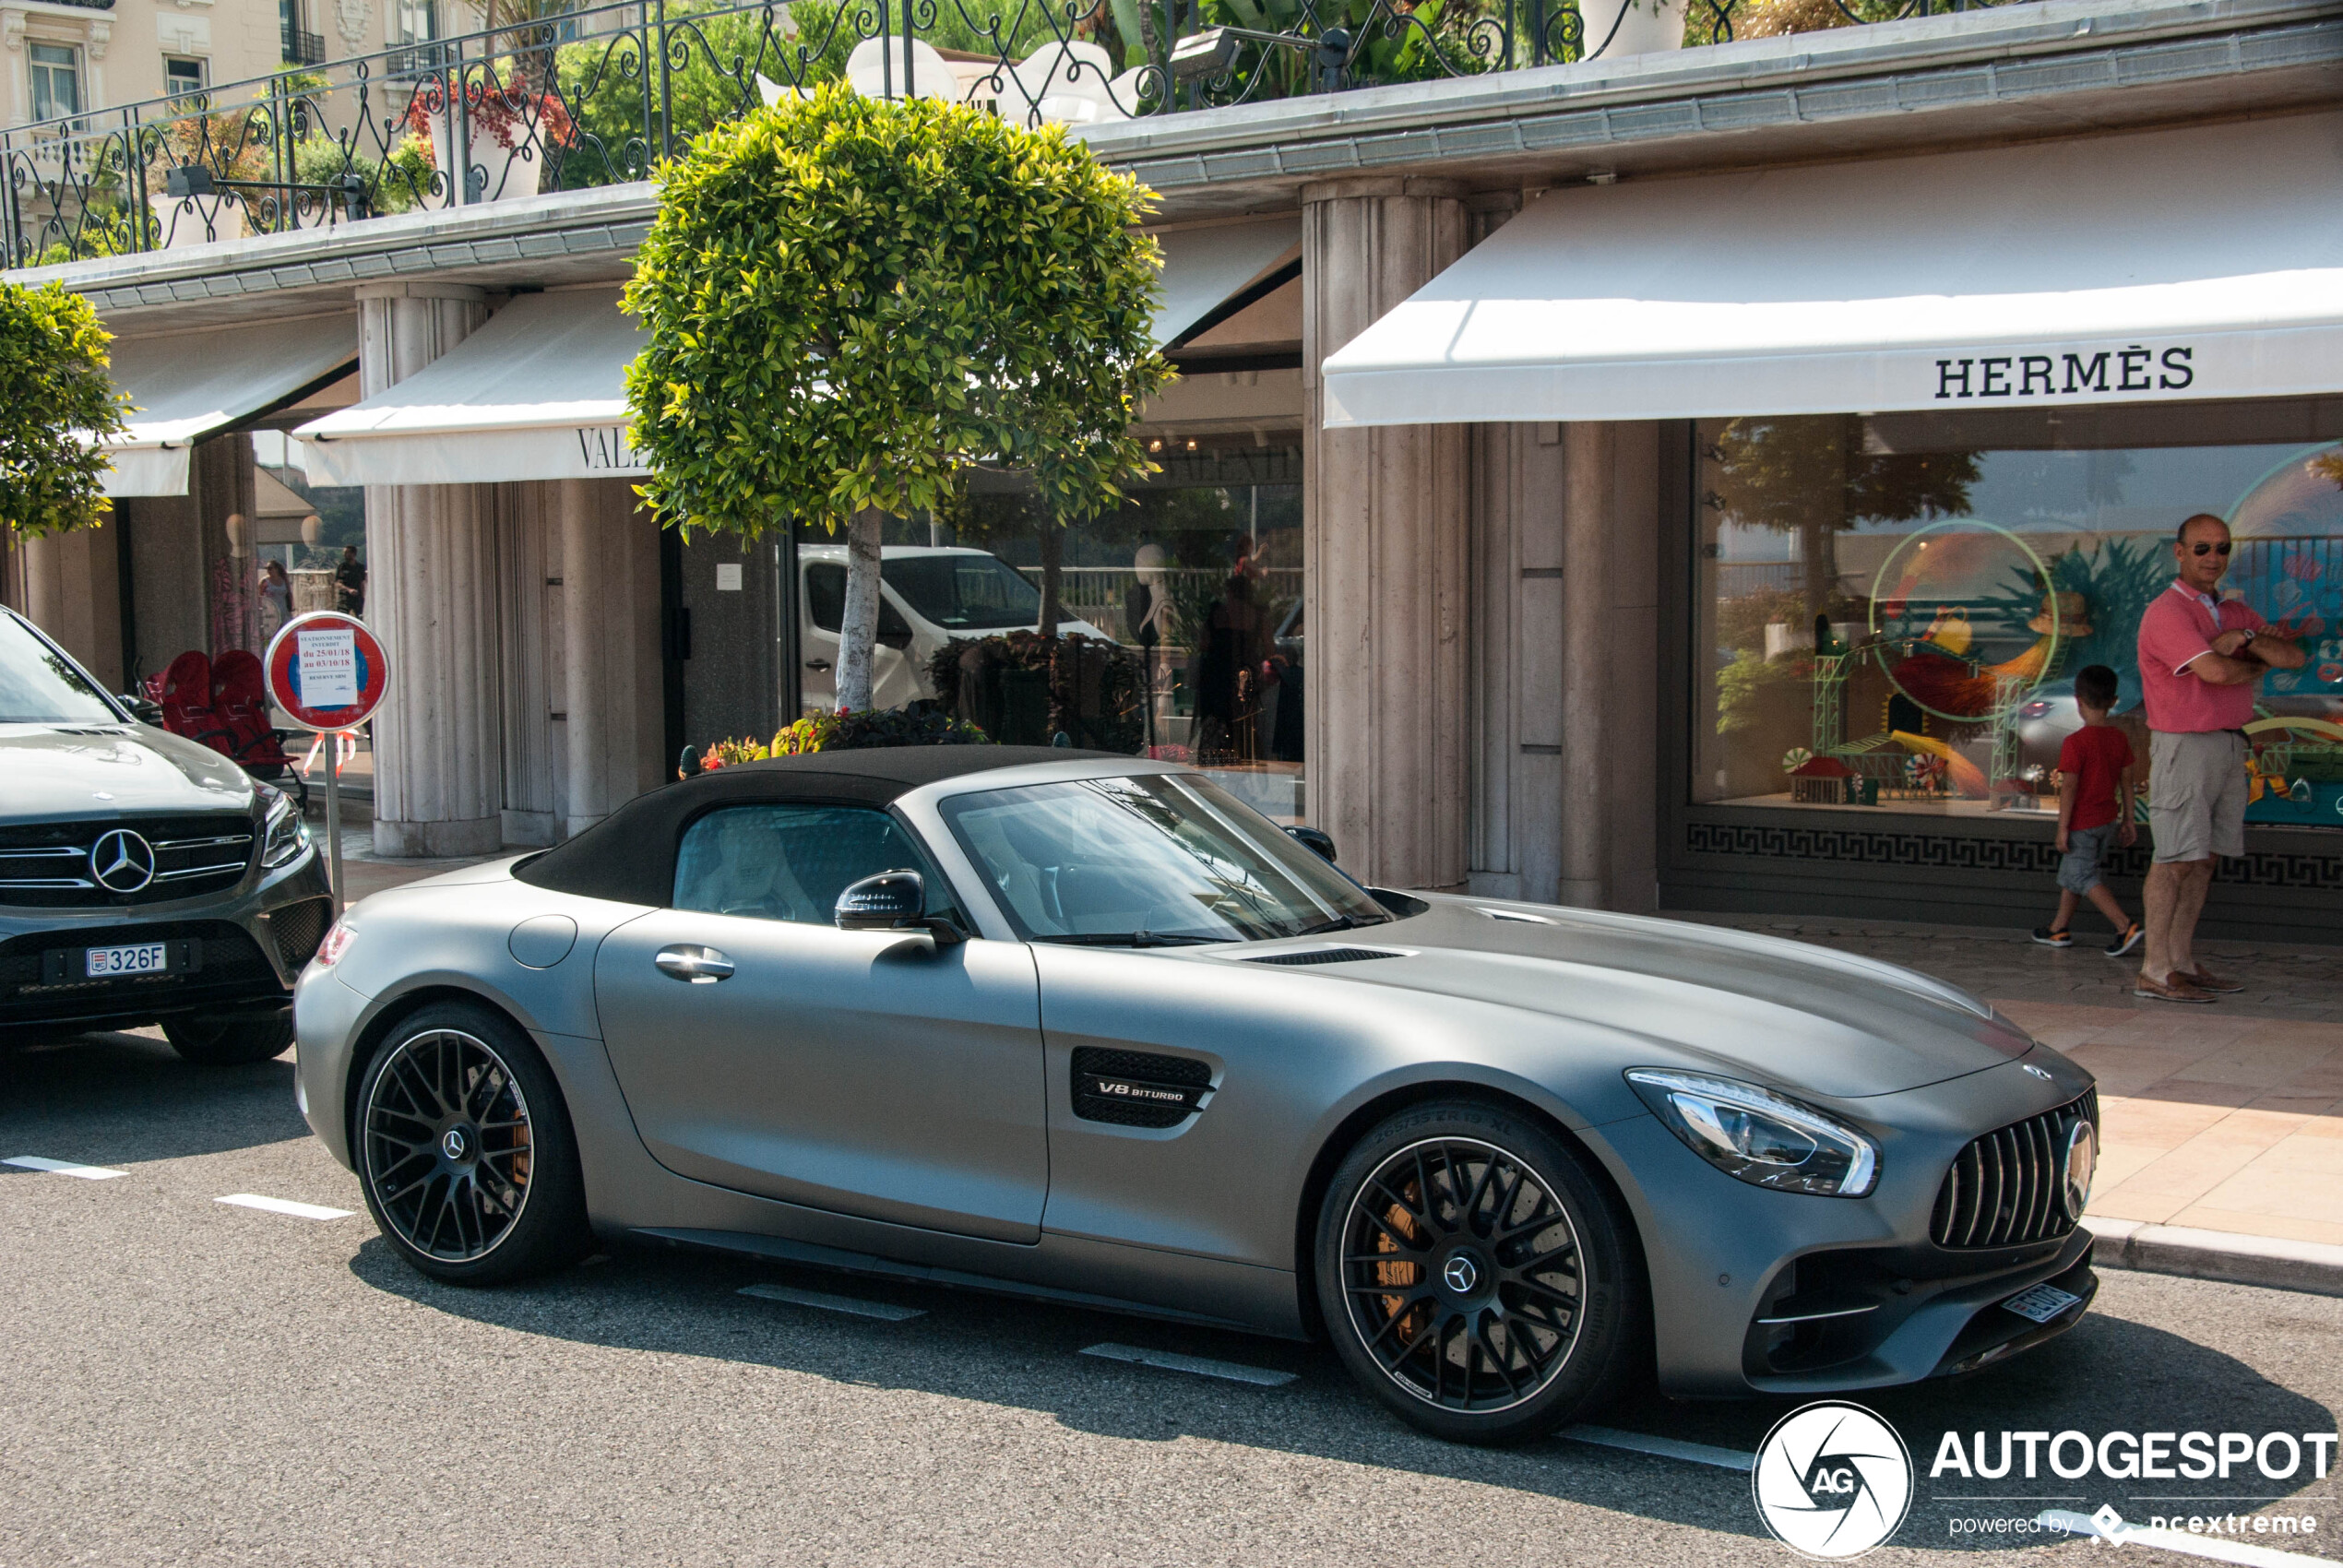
(1666,1447)
(886,1312)
(2220,1550)
(64,1168)
(1201,1366)
(284,1205)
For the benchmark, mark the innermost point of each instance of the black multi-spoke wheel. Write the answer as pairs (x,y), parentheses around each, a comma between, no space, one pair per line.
(463,1143)
(1472,1275)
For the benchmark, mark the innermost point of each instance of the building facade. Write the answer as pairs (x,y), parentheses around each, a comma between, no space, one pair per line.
(1685,480)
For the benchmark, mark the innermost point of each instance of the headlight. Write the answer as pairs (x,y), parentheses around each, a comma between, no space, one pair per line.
(336,944)
(1760,1136)
(286,835)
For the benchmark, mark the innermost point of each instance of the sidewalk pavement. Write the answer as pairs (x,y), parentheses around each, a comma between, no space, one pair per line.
(2221,1151)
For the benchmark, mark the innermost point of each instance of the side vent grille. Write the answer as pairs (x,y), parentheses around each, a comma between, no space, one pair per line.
(2008,1188)
(298,929)
(1134,1088)
(1324,956)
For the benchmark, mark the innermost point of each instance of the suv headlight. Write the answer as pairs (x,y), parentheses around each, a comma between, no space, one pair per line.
(286,834)
(1760,1136)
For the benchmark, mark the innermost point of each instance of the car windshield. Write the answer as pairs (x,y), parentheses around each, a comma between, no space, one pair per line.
(964,592)
(36,686)
(1155,859)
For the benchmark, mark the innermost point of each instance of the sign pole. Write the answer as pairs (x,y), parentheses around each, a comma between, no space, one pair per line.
(333,816)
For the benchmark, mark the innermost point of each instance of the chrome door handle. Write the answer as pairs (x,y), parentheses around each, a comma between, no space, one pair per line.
(700,965)
(817,664)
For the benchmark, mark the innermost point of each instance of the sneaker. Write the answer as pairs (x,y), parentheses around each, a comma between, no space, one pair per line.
(2049,938)
(2128,941)
(2172,990)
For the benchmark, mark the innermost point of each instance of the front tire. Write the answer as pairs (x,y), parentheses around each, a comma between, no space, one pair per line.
(465,1152)
(229,1039)
(1473,1275)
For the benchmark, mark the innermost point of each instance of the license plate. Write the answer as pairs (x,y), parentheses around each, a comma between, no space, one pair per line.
(2041,1304)
(138,958)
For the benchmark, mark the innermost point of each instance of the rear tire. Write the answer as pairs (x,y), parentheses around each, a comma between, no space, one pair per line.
(229,1039)
(464,1150)
(1475,1278)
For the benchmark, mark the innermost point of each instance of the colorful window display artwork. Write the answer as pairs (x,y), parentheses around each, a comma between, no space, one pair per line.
(1891,609)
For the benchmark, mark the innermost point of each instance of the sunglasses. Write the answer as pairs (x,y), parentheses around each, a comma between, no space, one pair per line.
(2201,549)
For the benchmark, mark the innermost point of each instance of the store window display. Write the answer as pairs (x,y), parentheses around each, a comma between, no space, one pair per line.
(1891,609)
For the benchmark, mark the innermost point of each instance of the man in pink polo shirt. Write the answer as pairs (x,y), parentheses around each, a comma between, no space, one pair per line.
(2200,657)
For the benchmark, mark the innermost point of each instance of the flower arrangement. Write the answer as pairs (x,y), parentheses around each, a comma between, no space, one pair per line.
(920,725)
(512,115)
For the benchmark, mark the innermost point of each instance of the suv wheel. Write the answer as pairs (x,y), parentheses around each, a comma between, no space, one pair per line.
(1474,1277)
(227,1040)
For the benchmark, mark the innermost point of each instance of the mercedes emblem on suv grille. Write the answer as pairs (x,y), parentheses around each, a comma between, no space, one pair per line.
(122,862)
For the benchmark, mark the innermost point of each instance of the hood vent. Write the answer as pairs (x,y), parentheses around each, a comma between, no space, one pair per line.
(1327,955)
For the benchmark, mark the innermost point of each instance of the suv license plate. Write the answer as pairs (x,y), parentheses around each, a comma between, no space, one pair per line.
(2041,1304)
(138,958)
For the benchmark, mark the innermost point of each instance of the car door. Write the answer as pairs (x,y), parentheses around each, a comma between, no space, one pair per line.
(870,1073)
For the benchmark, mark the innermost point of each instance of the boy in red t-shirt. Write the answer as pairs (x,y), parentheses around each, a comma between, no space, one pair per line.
(2094,806)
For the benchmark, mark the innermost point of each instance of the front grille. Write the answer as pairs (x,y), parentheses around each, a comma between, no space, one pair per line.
(38,981)
(298,929)
(46,865)
(1324,956)
(2008,1188)
(1134,1088)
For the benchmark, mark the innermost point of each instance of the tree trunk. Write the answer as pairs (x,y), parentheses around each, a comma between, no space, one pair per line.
(1053,539)
(858,628)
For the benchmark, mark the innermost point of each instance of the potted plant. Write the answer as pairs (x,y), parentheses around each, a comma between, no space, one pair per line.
(511,133)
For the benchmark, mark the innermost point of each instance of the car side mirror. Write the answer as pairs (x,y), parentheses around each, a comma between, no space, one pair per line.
(893,900)
(1316,840)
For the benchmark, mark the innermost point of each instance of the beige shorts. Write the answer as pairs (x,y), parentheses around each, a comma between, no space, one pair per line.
(2196,794)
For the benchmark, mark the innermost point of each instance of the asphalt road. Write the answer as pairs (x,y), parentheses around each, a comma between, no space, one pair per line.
(185,1381)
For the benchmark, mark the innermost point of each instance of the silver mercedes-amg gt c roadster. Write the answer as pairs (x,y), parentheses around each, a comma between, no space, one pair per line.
(1087,1028)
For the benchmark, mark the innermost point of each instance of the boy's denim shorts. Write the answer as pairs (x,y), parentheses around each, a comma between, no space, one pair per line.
(2078,868)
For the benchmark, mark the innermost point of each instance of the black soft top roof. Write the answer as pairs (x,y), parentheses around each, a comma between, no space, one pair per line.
(630,855)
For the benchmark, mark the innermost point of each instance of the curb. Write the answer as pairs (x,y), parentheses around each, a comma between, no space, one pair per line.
(2271,1261)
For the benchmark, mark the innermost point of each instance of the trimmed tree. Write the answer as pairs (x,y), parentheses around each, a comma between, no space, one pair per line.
(56,399)
(850,301)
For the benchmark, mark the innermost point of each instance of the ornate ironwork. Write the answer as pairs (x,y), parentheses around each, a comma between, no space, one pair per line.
(2033,856)
(597,95)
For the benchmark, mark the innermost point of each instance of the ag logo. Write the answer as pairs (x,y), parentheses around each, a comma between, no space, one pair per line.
(1832,1481)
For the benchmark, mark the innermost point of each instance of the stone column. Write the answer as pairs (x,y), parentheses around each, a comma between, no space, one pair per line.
(73,591)
(431,596)
(1384,555)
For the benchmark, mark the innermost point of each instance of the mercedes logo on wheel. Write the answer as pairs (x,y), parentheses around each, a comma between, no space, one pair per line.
(453,1144)
(1460,1274)
(122,862)
(1832,1481)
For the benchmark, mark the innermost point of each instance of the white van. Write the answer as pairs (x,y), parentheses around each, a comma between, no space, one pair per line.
(928,596)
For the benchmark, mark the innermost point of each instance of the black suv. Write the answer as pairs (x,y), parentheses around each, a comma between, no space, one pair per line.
(143,878)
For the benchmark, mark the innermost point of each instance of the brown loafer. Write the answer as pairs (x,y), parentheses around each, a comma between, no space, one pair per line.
(2172,990)
(2205,981)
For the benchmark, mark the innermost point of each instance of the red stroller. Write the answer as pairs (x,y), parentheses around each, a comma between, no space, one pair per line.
(224,705)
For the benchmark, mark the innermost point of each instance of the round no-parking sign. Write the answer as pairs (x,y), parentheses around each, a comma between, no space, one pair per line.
(327,671)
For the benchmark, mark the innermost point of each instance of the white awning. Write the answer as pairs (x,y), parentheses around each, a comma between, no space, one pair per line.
(539,392)
(1204,267)
(2197,264)
(187,386)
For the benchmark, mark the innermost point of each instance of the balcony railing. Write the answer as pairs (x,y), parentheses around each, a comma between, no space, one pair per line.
(300,48)
(598,96)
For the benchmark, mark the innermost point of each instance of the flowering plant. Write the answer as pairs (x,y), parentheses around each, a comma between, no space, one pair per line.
(512,115)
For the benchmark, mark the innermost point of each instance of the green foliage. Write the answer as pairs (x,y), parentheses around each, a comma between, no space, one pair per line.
(921,726)
(393,183)
(1741,686)
(1431,41)
(847,302)
(55,394)
(1803,470)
